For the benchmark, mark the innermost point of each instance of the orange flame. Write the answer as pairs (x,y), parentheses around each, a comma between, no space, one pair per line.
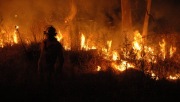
(83,39)
(15,38)
(115,56)
(172,51)
(122,66)
(59,36)
(85,45)
(163,48)
(137,44)
(98,68)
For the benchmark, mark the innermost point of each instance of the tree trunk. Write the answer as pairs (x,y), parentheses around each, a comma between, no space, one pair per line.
(126,19)
(146,20)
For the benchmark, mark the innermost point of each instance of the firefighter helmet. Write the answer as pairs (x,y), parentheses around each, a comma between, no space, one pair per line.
(51,31)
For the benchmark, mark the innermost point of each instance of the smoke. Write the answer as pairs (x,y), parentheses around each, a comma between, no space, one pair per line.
(98,20)
(166,14)
(33,15)
(29,13)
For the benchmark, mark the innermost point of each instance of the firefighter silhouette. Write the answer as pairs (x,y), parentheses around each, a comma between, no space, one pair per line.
(51,58)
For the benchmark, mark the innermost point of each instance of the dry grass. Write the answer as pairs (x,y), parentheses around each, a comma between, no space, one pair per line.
(81,81)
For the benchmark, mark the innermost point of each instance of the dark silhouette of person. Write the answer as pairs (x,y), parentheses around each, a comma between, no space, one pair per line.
(51,58)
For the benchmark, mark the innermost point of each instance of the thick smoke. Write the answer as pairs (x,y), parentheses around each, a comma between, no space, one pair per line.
(98,19)
(29,14)
(33,15)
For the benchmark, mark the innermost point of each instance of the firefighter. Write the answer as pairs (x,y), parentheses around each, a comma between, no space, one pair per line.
(51,58)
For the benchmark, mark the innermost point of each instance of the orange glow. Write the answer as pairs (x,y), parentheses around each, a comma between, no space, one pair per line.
(118,61)
(115,56)
(15,38)
(137,44)
(122,66)
(98,68)
(16,27)
(85,45)
(59,36)
(83,39)
(1,43)
(109,44)
(163,48)
(172,51)
(173,77)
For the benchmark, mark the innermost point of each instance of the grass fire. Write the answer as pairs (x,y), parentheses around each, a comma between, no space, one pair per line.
(115,50)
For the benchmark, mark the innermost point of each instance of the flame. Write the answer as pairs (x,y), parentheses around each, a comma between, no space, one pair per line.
(163,48)
(16,27)
(172,51)
(107,50)
(109,44)
(83,39)
(85,45)
(122,66)
(173,77)
(98,68)
(59,36)
(137,44)
(15,38)
(137,41)
(108,53)
(153,75)
(1,43)
(115,56)
(9,38)
(141,50)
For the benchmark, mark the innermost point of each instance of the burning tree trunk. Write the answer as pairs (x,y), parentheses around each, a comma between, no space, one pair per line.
(146,20)
(126,18)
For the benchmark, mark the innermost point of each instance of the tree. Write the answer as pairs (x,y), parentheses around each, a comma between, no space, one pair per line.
(146,19)
(126,18)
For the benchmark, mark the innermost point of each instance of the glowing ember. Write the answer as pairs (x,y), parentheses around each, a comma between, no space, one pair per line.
(122,66)
(137,44)
(83,39)
(15,38)
(163,48)
(173,77)
(153,75)
(115,56)
(172,51)
(98,68)
(17,27)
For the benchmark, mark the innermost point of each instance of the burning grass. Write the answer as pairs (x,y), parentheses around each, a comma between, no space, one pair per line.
(90,73)
(158,59)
